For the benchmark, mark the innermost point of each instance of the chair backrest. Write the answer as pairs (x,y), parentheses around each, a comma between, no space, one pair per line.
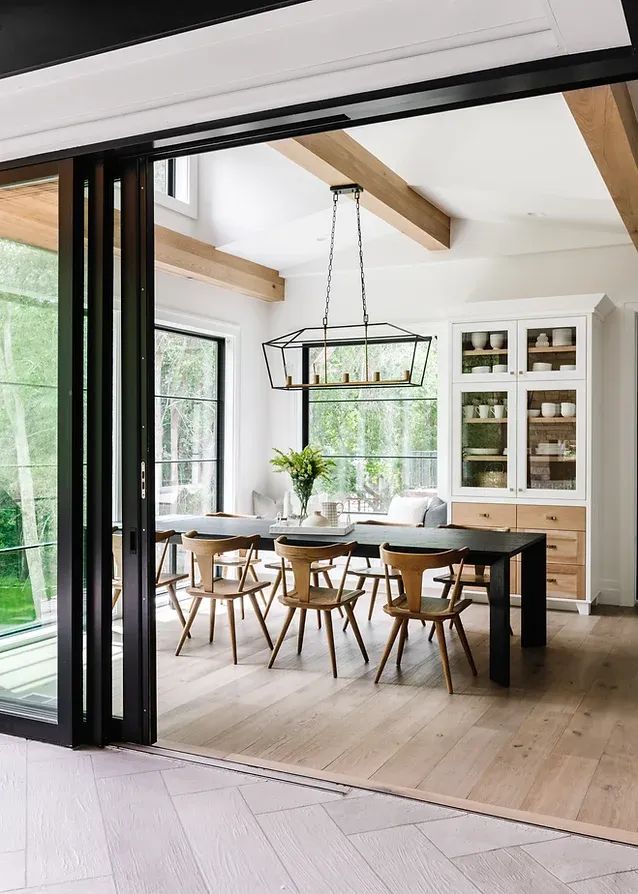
(301,559)
(161,537)
(205,550)
(413,565)
(242,553)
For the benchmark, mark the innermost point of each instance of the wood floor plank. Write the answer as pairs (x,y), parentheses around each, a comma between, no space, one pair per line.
(231,850)
(406,861)
(457,771)
(140,806)
(561,785)
(65,834)
(612,796)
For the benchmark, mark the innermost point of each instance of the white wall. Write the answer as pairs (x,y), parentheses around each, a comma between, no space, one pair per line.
(243,322)
(427,294)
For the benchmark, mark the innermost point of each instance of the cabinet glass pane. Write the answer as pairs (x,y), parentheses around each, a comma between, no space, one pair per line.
(551,440)
(484,439)
(484,351)
(552,350)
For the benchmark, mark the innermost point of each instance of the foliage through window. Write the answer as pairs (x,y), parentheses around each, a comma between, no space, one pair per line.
(188,420)
(383,440)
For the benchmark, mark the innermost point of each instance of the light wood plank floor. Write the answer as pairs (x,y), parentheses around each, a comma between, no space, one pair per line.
(562,741)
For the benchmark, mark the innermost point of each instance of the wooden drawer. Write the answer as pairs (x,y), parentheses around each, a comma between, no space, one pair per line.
(567,581)
(485,515)
(551,518)
(566,547)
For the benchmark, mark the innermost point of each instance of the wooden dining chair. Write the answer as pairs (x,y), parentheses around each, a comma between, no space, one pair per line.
(411,605)
(163,579)
(235,562)
(476,576)
(376,573)
(317,568)
(205,553)
(305,597)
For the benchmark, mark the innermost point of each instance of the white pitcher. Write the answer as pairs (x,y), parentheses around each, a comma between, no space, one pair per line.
(332,511)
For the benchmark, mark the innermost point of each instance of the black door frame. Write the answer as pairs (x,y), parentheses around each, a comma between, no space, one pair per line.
(131,161)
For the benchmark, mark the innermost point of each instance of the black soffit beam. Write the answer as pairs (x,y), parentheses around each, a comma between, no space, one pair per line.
(40,33)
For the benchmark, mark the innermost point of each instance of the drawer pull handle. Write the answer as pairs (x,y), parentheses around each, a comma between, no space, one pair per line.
(484,514)
(552,580)
(551,517)
(552,546)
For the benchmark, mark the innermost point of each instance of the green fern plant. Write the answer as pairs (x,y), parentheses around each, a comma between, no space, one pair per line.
(304,467)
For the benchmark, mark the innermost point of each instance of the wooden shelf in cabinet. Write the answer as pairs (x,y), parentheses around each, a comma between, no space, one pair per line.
(553,349)
(552,459)
(486,421)
(484,352)
(550,420)
(485,459)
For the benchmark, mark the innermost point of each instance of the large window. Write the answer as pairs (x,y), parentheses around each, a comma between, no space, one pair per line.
(383,440)
(189,413)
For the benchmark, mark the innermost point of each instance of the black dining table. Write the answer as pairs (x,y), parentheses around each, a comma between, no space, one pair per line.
(494,549)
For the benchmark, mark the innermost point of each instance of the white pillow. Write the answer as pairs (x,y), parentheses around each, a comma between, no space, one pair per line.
(266,507)
(408,510)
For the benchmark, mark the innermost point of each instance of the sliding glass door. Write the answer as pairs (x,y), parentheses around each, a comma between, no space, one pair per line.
(41,480)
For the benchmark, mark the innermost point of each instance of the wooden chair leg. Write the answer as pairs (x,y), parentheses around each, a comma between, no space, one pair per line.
(431,633)
(356,631)
(211,623)
(340,610)
(253,573)
(172,596)
(281,637)
(243,611)
(318,620)
(197,601)
(230,604)
(302,627)
(331,642)
(326,577)
(466,646)
(440,635)
(273,593)
(398,622)
(373,598)
(402,639)
(361,581)
(260,618)
(315,579)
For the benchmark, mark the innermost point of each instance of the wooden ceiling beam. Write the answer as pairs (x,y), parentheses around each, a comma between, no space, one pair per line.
(607,120)
(336,158)
(29,214)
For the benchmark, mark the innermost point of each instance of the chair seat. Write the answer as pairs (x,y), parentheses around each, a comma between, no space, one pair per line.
(317,567)
(227,589)
(236,561)
(323,598)
(430,609)
(377,572)
(168,578)
(467,579)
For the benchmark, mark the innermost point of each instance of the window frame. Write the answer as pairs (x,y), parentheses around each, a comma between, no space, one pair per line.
(220,408)
(305,411)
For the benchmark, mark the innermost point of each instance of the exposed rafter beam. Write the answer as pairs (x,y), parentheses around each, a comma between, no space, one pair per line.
(29,214)
(607,120)
(336,158)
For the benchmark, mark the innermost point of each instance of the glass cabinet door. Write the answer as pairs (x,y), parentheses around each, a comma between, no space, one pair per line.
(484,441)
(552,454)
(550,349)
(484,351)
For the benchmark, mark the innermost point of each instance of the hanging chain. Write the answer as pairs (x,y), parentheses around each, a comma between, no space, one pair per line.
(335,199)
(357,197)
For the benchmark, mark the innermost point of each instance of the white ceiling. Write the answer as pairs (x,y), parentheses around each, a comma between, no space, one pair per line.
(516,178)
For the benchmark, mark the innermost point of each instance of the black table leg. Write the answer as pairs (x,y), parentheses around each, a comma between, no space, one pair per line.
(534,595)
(500,621)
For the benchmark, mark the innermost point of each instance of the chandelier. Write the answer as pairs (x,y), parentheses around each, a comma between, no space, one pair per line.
(360,355)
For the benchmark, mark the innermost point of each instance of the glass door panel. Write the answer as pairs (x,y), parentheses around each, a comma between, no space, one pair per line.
(552,461)
(29,447)
(484,441)
(549,349)
(484,352)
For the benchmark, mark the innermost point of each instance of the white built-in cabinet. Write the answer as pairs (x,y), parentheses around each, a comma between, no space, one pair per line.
(525,450)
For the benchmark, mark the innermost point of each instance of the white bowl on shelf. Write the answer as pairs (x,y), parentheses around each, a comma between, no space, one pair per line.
(533,414)
(561,338)
(567,367)
(497,340)
(541,367)
(480,451)
(479,340)
(499,368)
(548,410)
(481,370)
